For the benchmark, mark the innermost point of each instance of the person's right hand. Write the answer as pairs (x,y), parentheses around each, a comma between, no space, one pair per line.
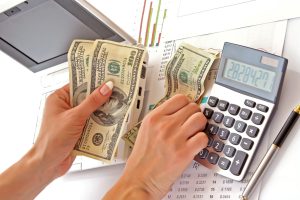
(169,138)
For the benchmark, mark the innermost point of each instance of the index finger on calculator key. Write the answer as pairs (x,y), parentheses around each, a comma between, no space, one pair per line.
(173,104)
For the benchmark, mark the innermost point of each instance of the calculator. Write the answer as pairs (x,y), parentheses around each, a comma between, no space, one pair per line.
(239,108)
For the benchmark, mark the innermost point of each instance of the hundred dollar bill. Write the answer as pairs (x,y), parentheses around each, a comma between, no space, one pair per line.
(78,57)
(131,135)
(121,64)
(185,74)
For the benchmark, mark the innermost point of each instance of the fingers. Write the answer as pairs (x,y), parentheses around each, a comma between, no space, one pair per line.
(173,104)
(197,142)
(93,101)
(63,93)
(66,88)
(183,114)
(194,124)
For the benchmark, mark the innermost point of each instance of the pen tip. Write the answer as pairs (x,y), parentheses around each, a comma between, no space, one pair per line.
(243,198)
(297,109)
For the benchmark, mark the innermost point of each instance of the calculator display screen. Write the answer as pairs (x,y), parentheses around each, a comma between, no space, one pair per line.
(249,75)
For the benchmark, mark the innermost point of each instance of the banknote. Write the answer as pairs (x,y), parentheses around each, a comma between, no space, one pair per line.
(78,61)
(185,74)
(121,64)
(131,135)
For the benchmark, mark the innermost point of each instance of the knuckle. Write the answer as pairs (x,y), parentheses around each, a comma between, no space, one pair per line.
(51,97)
(151,119)
(203,139)
(199,116)
(164,127)
(202,117)
(193,106)
(94,100)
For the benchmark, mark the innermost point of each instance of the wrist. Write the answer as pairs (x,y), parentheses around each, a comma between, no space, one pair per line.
(129,187)
(43,172)
(25,179)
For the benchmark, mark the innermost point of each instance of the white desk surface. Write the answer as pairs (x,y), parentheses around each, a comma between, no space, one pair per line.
(19,98)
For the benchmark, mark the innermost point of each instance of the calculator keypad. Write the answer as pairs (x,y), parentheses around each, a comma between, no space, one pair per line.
(246,143)
(228,121)
(223,133)
(218,145)
(223,105)
(245,113)
(224,163)
(240,126)
(217,117)
(252,131)
(233,130)
(233,109)
(234,138)
(229,151)
(213,158)
(238,163)
(249,103)
(213,101)
(208,113)
(257,118)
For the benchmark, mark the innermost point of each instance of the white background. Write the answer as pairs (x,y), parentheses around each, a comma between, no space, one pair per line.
(19,101)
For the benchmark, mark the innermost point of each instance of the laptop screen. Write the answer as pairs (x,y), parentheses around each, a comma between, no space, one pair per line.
(38,33)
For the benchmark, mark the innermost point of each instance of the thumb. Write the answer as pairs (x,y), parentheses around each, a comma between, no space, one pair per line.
(93,101)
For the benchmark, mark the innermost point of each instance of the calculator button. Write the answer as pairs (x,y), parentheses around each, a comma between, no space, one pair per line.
(210,141)
(217,117)
(233,109)
(238,163)
(234,138)
(223,133)
(246,143)
(249,103)
(224,163)
(212,101)
(211,129)
(240,126)
(223,105)
(203,153)
(208,113)
(218,145)
(213,158)
(229,151)
(257,118)
(228,121)
(245,113)
(252,131)
(262,108)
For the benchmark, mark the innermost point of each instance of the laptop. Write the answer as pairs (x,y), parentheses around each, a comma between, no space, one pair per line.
(38,34)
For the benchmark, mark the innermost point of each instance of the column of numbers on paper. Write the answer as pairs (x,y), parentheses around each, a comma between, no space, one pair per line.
(197,182)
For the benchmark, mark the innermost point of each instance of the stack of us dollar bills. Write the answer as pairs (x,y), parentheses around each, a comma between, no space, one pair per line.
(92,63)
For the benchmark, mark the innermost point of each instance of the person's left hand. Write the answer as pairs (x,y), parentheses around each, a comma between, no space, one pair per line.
(62,127)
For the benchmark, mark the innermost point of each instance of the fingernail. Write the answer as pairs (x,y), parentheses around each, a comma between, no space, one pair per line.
(106,88)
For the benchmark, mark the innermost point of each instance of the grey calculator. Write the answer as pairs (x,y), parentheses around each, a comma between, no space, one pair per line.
(240,105)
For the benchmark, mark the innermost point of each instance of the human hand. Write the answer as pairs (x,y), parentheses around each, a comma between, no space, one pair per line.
(169,138)
(50,156)
(62,126)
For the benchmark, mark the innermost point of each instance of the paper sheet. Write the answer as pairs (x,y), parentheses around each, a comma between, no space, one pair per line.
(197,182)
(281,180)
(193,17)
